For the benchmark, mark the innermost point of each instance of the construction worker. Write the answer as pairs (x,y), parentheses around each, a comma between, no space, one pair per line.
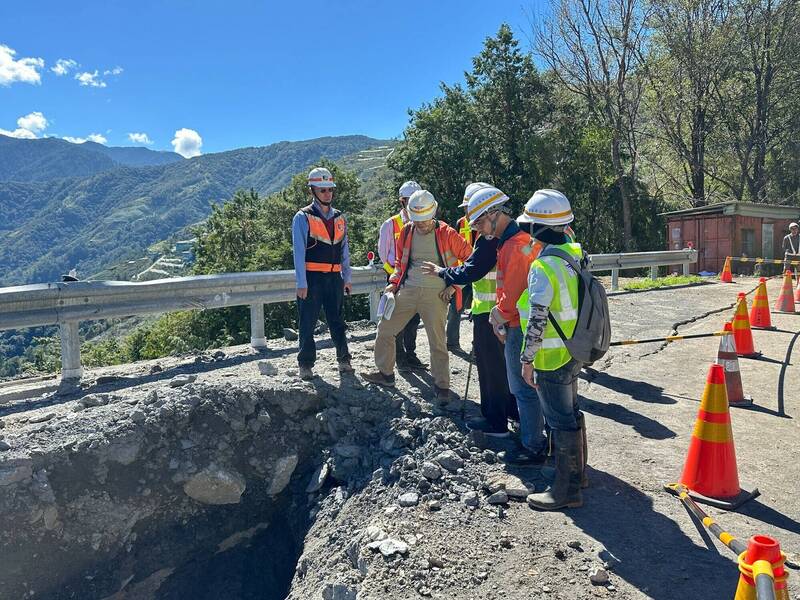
(322,271)
(515,253)
(497,403)
(546,362)
(422,239)
(454,312)
(791,247)
(406,340)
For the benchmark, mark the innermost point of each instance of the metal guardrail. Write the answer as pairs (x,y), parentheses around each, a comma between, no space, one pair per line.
(638,260)
(67,304)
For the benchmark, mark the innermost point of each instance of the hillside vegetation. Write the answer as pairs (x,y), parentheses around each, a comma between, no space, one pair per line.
(96,221)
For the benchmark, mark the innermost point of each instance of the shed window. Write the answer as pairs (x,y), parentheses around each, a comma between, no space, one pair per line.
(748,242)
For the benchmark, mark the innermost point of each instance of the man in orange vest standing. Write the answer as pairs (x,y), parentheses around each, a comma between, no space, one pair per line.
(423,239)
(454,312)
(406,341)
(322,271)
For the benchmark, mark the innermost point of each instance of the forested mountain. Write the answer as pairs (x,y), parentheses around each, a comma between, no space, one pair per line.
(46,159)
(89,222)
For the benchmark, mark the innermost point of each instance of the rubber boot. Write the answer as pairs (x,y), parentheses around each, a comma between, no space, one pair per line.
(565,491)
(585,447)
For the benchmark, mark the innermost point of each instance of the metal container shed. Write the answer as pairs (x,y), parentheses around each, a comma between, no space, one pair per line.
(730,229)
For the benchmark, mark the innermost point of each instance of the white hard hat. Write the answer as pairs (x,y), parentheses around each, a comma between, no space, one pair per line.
(792,225)
(408,188)
(422,206)
(471,189)
(320,177)
(548,207)
(482,200)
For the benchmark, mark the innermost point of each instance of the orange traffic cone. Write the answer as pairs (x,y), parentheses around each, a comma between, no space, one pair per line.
(767,549)
(759,312)
(710,470)
(726,276)
(733,378)
(742,335)
(785,302)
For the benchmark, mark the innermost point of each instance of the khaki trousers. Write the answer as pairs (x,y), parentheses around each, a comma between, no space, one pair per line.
(408,302)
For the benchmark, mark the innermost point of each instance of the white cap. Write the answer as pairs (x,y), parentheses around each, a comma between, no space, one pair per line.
(482,200)
(408,188)
(320,177)
(548,207)
(792,225)
(422,206)
(471,189)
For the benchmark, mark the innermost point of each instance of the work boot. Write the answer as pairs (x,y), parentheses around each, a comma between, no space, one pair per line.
(565,491)
(379,378)
(306,374)
(487,428)
(414,362)
(522,456)
(345,366)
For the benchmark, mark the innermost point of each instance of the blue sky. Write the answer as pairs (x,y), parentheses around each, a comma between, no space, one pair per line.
(235,73)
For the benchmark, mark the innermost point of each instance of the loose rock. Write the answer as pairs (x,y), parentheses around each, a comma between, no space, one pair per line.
(599,577)
(431,471)
(215,485)
(409,499)
(450,461)
(290,335)
(470,499)
(181,380)
(499,497)
(267,368)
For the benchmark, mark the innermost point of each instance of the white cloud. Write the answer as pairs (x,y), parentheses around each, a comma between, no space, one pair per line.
(25,70)
(35,122)
(114,71)
(20,133)
(92,137)
(63,66)
(28,126)
(140,138)
(90,79)
(187,143)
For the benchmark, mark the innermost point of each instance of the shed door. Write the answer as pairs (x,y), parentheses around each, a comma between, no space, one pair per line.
(767,242)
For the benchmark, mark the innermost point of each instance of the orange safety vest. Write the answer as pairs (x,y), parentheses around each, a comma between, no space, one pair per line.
(450,247)
(397,225)
(323,253)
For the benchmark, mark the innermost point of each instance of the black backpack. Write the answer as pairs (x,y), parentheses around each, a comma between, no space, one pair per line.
(592,335)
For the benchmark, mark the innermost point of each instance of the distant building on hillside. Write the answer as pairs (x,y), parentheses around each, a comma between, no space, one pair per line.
(184,245)
(730,229)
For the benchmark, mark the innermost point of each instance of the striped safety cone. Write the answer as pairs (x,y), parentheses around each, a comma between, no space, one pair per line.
(743,336)
(726,276)
(761,570)
(710,471)
(797,292)
(785,302)
(726,356)
(759,312)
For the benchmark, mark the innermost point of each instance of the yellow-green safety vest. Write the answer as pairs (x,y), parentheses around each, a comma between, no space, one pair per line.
(554,354)
(484,293)
(397,226)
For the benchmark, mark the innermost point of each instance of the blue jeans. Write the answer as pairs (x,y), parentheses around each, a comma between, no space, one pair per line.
(531,422)
(558,391)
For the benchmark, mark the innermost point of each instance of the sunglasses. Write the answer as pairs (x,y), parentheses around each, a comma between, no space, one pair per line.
(324,190)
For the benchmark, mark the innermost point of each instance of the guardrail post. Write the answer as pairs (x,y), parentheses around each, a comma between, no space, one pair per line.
(686,269)
(654,272)
(257,337)
(374,300)
(70,351)
(614,280)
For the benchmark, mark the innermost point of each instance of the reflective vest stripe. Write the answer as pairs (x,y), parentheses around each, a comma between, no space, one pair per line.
(323,267)
(485,297)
